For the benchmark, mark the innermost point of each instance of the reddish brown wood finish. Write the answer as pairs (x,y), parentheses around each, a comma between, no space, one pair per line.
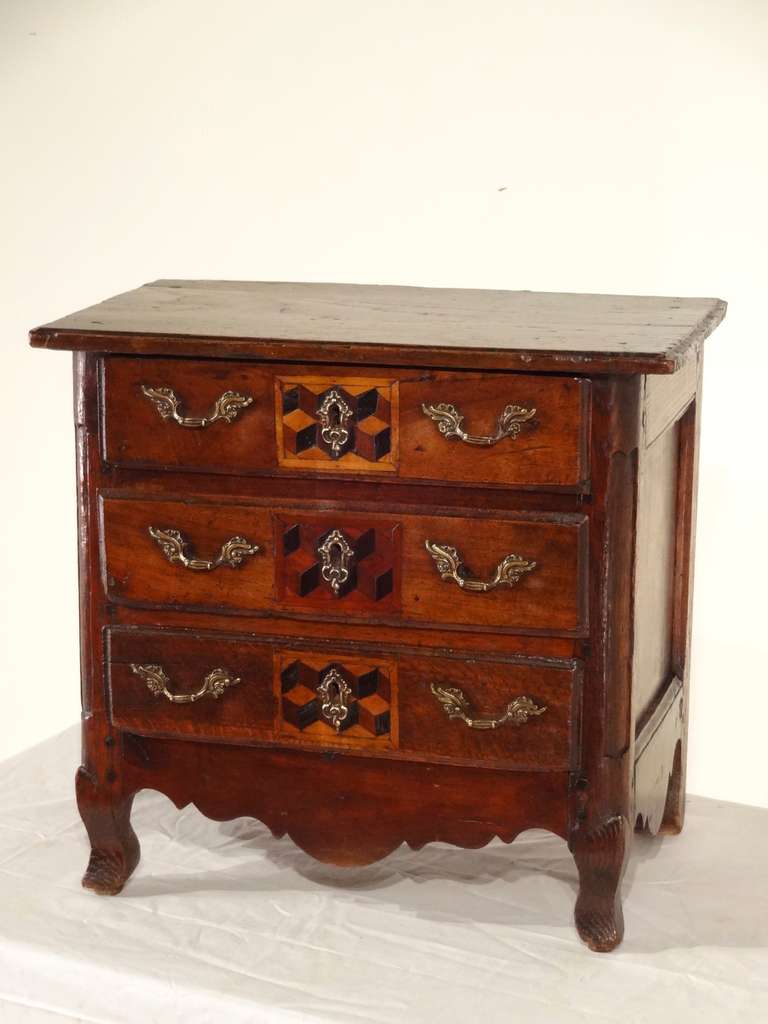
(396,579)
(265,706)
(245,711)
(135,434)
(344,811)
(568,493)
(430,327)
(548,741)
(550,451)
(372,719)
(601,856)
(106,814)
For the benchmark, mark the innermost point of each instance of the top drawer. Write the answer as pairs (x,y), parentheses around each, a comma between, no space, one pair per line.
(250,418)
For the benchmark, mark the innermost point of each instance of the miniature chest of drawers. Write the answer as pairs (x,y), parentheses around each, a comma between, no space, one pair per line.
(380,565)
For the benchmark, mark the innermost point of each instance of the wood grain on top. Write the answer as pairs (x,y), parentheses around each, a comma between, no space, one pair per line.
(415,326)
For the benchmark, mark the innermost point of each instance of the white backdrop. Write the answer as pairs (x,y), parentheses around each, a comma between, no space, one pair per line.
(590,146)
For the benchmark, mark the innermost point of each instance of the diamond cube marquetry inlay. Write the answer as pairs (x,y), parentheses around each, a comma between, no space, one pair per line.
(350,424)
(338,563)
(345,700)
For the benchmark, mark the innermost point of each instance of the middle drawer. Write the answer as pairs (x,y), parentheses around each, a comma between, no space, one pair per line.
(500,572)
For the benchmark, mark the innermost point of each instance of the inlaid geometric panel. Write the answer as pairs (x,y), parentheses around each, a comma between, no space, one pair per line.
(336,699)
(349,424)
(337,563)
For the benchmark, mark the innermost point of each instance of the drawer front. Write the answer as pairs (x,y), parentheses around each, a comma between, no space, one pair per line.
(229,676)
(183,414)
(499,429)
(240,418)
(497,573)
(519,714)
(491,712)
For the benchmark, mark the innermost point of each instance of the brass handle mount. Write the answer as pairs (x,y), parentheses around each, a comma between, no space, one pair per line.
(450,565)
(168,404)
(449,422)
(455,704)
(174,547)
(215,683)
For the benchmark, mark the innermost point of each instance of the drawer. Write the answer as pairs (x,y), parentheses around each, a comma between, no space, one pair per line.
(491,572)
(220,686)
(515,713)
(493,429)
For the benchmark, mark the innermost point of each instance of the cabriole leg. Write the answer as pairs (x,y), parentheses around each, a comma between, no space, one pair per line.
(601,855)
(114,847)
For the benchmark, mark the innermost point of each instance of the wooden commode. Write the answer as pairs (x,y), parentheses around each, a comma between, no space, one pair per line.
(380,565)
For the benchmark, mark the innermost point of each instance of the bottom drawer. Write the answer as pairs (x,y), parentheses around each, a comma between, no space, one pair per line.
(511,713)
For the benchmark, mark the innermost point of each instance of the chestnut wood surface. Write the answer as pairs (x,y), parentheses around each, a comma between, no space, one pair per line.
(244,711)
(450,639)
(396,577)
(277,684)
(368,713)
(548,741)
(549,451)
(340,809)
(438,327)
(598,489)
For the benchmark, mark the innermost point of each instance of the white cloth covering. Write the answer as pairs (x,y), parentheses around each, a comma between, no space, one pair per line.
(222,923)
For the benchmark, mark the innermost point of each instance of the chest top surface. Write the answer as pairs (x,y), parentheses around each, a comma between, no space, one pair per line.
(470,328)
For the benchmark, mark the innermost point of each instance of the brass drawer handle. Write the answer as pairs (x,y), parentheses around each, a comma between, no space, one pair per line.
(450,566)
(456,705)
(214,684)
(449,420)
(174,547)
(226,407)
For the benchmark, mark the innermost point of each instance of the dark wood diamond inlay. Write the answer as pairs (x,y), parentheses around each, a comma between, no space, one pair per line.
(337,562)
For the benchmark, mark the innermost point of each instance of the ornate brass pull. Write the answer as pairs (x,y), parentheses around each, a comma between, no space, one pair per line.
(333,692)
(174,547)
(214,684)
(449,420)
(450,566)
(226,407)
(456,705)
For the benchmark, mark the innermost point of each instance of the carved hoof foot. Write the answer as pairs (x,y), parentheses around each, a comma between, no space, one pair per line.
(601,928)
(600,854)
(109,869)
(115,849)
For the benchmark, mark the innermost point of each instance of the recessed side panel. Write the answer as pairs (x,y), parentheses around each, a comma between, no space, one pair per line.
(655,567)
